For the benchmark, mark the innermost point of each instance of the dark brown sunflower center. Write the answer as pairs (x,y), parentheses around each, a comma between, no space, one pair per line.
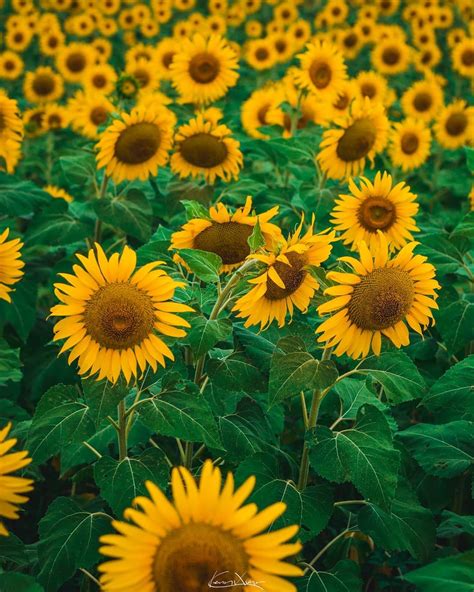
(426,57)
(53,42)
(422,101)
(76,62)
(43,85)
(119,316)
(204,68)
(382,299)
(98,115)
(203,150)
(342,102)
(9,65)
(350,40)
(320,74)
(291,275)
(261,54)
(142,76)
(357,140)
(99,80)
(228,240)
(198,558)
(456,124)
(138,143)
(409,143)
(368,90)
(376,213)
(262,114)
(54,121)
(391,56)
(467,57)
(3,124)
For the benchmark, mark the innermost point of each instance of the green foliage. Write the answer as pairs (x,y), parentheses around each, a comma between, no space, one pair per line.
(451,574)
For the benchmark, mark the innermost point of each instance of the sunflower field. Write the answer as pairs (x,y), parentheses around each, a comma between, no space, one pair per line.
(236,295)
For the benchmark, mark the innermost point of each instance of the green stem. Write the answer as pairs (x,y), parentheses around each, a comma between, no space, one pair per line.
(188,455)
(324,549)
(98,223)
(122,431)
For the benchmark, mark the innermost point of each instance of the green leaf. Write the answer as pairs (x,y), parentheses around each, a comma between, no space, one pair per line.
(122,481)
(442,253)
(452,396)
(398,375)
(363,454)
(68,539)
(455,323)
(205,333)
(9,363)
(60,418)
(78,170)
(451,574)
(56,226)
(465,229)
(20,313)
(194,209)
(343,577)
(103,397)
(130,212)
(256,239)
(181,415)
(407,527)
(454,525)
(20,198)
(442,450)
(235,373)
(203,264)
(469,158)
(18,582)
(13,551)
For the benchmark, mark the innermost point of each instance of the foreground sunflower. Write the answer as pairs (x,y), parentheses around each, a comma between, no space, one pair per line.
(322,70)
(11,488)
(225,233)
(134,146)
(10,264)
(202,70)
(112,314)
(11,133)
(454,126)
(377,206)
(378,298)
(206,533)
(361,134)
(410,142)
(205,148)
(286,282)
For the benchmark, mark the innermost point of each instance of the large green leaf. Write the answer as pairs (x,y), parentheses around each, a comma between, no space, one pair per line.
(56,226)
(130,212)
(442,450)
(9,363)
(456,324)
(343,577)
(18,197)
(68,539)
(363,454)
(103,397)
(203,264)
(18,582)
(20,313)
(454,525)
(235,373)
(205,333)
(451,574)
(13,551)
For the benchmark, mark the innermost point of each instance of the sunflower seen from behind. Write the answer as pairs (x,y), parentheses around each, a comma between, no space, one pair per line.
(286,281)
(12,488)
(378,297)
(226,234)
(114,317)
(11,265)
(410,143)
(376,206)
(207,529)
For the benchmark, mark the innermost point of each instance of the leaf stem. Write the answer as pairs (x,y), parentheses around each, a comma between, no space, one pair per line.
(325,548)
(92,449)
(98,223)
(122,431)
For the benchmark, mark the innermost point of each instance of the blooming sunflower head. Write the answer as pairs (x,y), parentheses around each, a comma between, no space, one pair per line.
(134,146)
(374,207)
(89,112)
(43,85)
(322,69)
(206,530)
(203,147)
(226,234)
(410,142)
(11,265)
(423,100)
(454,126)
(127,87)
(11,488)
(11,133)
(286,281)
(378,298)
(113,313)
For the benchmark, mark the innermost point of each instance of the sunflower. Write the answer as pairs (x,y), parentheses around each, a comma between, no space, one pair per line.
(51,42)
(350,42)
(225,233)
(88,112)
(202,69)
(99,78)
(428,58)
(373,207)
(372,85)
(112,312)
(55,116)
(11,488)
(423,100)
(283,45)
(145,73)
(43,85)
(454,126)
(409,145)
(391,56)
(258,110)
(286,281)
(58,193)
(134,146)
(73,60)
(341,105)
(203,148)
(322,69)
(11,65)
(183,545)
(261,54)
(164,55)
(377,298)
(10,264)
(34,122)
(361,135)
(463,57)
(11,133)
(18,39)
(336,12)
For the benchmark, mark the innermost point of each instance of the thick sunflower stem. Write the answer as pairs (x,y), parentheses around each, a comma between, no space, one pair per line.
(188,455)
(122,430)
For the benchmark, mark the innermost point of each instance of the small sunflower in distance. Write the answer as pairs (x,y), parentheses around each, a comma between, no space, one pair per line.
(134,146)
(58,193)
(377,206)
(322,70)
(207,530)
(378,298)
(10,264)
(454,126)
(410,142)
(286,281)
(362,134)
(225,233)
(112,314)
(11,488)
(202,70)
(205,148)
